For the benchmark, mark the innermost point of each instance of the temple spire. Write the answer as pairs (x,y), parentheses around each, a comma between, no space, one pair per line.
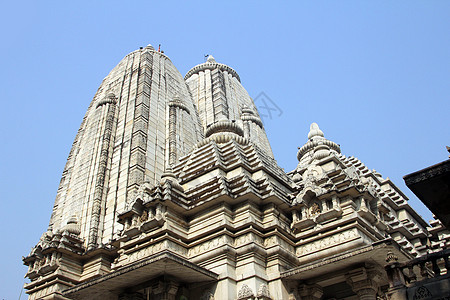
(314,131)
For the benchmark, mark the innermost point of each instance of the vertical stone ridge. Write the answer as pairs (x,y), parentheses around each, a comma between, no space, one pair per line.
(140,123)
(219,96)
(176,108)
(102,168)
(172,135)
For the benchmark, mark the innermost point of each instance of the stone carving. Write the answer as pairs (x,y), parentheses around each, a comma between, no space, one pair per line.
(263,292)
(202,248)
(326,242)
(314,209)
(245,293)
(391,257)
(311,185)
(144,216)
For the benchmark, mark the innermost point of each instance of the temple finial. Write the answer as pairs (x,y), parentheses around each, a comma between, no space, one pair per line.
(314,131)
(211,59)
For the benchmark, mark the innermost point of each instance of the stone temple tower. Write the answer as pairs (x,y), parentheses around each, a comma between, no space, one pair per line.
(140,120)
(171,191)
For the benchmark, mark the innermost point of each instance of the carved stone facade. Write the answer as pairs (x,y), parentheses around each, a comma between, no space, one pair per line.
(171,191)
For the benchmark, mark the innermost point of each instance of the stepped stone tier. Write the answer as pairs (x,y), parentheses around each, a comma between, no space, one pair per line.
(171,191)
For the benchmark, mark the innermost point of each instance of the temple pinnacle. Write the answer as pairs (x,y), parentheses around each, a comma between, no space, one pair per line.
(314,131)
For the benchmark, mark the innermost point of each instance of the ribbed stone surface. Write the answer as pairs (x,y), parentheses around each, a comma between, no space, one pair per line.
(119,146)
(218,94)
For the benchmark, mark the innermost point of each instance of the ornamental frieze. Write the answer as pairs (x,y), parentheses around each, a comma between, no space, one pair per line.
(327,242)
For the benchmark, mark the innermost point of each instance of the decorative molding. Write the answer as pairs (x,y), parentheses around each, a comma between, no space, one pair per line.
(252,118)
(222,138)
(311,144)
(207,246)
(327,242)
(224,126)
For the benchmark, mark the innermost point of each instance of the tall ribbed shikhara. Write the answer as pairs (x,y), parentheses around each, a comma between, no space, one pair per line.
(132,129)
(109,105)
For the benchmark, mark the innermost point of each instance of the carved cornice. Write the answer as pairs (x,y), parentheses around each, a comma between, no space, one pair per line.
(211,66)
(222,138)
(427,173)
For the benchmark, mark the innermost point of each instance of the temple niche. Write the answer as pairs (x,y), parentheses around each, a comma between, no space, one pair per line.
(171,191)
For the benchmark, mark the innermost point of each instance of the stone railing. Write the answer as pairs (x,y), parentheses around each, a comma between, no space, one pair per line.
(424,274)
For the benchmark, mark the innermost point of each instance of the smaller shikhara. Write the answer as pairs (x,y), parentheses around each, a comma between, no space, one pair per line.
(171,191)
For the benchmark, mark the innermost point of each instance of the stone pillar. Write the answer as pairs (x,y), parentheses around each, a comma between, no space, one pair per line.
(363,283)
(310,292)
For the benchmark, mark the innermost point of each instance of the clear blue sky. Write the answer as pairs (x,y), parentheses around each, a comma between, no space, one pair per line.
(373,74)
